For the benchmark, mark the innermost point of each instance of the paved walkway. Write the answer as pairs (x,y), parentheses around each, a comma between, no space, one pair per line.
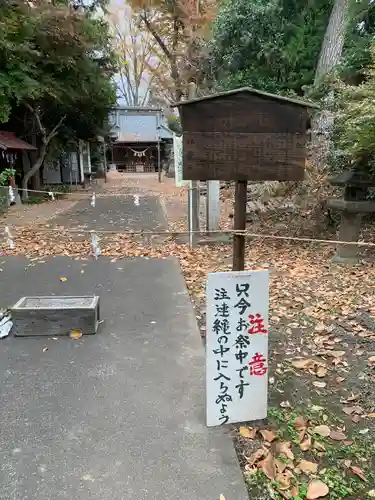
(118,415)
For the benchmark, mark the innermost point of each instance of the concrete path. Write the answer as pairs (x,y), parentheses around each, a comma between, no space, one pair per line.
(114,213)
(114,416)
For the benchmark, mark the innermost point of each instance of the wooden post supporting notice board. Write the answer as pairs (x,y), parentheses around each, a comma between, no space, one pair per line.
(240,200)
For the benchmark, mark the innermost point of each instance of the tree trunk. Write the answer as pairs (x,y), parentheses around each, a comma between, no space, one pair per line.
(333,42)
(330,56)
(34,169)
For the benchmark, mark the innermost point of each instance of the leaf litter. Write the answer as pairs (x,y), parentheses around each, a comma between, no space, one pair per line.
(315,335)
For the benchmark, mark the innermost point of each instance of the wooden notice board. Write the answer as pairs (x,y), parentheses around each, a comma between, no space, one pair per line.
(244,134)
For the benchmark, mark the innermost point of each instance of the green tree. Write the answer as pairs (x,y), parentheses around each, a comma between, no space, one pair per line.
(353,133)
(56,64)
(267,44)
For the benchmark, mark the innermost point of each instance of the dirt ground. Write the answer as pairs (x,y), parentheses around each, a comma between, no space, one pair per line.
(319,439)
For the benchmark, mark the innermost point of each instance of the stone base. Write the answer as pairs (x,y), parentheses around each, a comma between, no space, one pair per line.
(348,261)
(52,316)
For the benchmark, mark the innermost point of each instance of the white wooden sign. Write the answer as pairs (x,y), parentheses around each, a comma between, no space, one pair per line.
(237,346)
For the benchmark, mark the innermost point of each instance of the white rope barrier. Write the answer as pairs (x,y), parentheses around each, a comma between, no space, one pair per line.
(66,231)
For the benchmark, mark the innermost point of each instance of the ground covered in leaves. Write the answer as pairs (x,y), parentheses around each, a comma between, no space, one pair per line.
(319,439)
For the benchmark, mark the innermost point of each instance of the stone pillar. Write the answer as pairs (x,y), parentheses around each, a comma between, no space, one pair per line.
(350,227)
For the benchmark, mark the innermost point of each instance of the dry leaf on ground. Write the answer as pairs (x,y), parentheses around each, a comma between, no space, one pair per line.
(305,444)
(268,435)
(308,467)
(283,480)
(283,448)
(316,489)
(321,371)
(248,432)
(268,466)
(322,430)
(337,435)
(320,385)
(256,456)
(222,497)
(75,334)
(358,472)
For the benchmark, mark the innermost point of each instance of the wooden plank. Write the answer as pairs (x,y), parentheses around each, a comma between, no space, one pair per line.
(233,156)
(244,114)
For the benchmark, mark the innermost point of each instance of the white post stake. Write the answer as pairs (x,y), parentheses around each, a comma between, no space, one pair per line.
(92,203)
(237,346)
(51,195)
(213,206)
(95,245)
(12,198)
(9,237)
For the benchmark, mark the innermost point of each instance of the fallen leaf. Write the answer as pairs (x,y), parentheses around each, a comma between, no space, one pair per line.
(283,448)
(303,363)
(294,491)
(364,431)
(283,480)
(370,415)
(222,497)
(45,349)
(248,432)
(322,430)
(316,489)
(352,397)
(75,334)
(268,435)
(300,424)
(319,384)
(319,446)
(347,443)
(63,278)
(321,371)
(349,409)
(336,354)
(305,444)
(268,466)
(358,472)
(280,465)
(308,467)
(256,456)
(337,435)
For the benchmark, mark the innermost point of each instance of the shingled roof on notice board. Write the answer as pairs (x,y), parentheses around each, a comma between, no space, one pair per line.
(249,90)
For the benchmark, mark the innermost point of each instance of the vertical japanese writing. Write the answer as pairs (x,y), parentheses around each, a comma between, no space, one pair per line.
(242,341)
(237,346)
(221,328)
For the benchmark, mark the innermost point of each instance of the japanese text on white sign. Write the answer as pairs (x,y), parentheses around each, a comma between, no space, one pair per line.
(237,346)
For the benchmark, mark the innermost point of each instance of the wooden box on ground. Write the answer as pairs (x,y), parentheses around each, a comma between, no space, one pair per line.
(55,315)
(244,134)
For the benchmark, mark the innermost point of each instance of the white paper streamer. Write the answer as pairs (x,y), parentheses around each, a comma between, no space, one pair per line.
(92,203)
(95,245)
(6,324)
(10,238)
(136,199)
(51,195)
(12,198)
